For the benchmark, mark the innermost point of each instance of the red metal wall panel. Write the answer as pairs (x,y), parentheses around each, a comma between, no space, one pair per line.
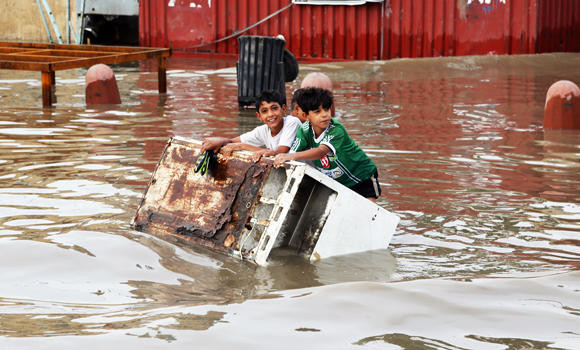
(481,28)
(392,29)
(152,21)
(179,28)
(558,25)
(338,32)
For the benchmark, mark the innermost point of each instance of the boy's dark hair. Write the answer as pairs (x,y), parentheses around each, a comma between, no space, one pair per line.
(269,96)
(310,99)
(295,98)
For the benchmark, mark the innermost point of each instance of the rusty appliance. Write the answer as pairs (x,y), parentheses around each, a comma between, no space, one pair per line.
(247,209)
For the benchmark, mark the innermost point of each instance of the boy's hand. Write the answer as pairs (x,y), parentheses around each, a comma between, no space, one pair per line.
(257,155)
(212,144)
(228,149)
(281,158)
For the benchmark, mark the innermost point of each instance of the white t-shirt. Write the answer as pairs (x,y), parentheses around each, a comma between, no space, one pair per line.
(262,137)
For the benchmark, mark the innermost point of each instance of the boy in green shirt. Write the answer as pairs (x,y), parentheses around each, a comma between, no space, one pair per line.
(325,141)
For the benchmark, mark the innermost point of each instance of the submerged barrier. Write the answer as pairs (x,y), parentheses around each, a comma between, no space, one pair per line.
(562,108)
(101,86)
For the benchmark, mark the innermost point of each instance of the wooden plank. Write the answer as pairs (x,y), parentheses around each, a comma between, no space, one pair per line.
(47,78)
(112,59)
(98,48)
(162,75)
(15,50)
(52,87)
(33,66)
(28,58)
(67,53)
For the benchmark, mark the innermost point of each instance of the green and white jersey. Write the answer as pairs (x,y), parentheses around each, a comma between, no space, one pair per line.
(346,162)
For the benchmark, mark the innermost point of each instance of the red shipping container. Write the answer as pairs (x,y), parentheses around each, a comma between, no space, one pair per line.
(374,30)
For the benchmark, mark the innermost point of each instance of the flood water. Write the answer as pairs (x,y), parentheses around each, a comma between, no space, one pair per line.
(486,255)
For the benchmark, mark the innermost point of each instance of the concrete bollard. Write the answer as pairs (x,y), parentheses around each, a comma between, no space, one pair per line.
(101,86)
(562,108)
(317,79)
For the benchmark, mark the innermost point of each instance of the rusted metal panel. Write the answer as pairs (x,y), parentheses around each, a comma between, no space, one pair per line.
(208,210)
(377,30)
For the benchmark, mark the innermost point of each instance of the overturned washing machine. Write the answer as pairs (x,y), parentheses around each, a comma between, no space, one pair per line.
(248,209)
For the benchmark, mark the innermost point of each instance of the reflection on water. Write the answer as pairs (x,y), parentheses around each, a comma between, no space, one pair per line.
(486,251)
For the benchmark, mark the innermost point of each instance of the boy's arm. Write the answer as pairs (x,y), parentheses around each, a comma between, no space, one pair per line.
(215,143)
(269,152)
(310,154)
(238,146)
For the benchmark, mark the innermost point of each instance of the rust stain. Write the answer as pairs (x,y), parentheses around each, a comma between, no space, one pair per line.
(184,155)
(177,188)
(230,239)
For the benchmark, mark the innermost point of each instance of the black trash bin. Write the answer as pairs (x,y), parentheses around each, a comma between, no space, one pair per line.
(260,67)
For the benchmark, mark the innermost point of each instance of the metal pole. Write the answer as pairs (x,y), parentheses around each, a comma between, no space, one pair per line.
(44,21)
(81,23)
(67,21)
(72,32)
(53,21)
(382,29)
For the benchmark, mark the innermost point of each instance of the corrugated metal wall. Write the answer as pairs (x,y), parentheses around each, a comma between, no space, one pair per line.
(394,28)
(558,26)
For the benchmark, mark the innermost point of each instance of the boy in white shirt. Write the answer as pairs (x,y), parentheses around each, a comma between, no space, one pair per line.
(277,134)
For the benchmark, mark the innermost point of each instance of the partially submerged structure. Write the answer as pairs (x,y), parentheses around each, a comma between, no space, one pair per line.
(49,58)
(247,209)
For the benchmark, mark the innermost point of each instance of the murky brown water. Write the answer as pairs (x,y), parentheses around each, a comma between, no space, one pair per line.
(486,255)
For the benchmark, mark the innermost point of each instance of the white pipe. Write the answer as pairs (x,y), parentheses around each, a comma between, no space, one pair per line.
(53,21)
(44,21)
(81,23)
(67,21)
(72,32)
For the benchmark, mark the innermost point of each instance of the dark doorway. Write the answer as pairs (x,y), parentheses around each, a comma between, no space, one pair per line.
(111,30)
